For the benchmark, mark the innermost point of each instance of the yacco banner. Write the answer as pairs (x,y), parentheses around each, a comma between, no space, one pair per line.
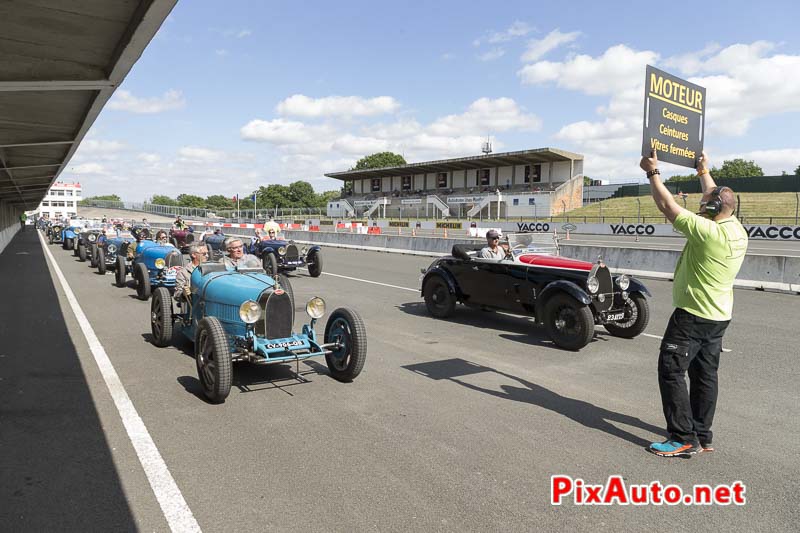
(674,118)
(761,232)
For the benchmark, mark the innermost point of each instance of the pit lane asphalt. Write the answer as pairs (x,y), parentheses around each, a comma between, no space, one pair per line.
(453,425)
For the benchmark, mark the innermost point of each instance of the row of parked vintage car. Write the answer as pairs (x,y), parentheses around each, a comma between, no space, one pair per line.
(229,315)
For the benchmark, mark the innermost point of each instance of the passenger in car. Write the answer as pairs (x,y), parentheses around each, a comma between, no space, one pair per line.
(493,249)
(199,254)
(236,257)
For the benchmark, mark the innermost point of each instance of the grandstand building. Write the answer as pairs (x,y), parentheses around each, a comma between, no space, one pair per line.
(529,183)
(61,201)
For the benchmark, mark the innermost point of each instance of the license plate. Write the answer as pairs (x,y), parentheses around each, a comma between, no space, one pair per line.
(615,316)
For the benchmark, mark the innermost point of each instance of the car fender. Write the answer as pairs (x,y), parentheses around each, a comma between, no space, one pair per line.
(314,248)
(564,286)
(445,275)
(638,286)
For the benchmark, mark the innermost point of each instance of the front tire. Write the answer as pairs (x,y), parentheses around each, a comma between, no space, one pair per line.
(120,272)
(81,253)
(142,277)
(569,323)
(270,263)
(92,254)
(213,360)
(438,299)
(346,327)
(161,317)
(67,244)
(637,309)
(76,248)
(314,260)
(100,259)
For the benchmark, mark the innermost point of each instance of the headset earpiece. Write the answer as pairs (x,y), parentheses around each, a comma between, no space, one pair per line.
(714,205)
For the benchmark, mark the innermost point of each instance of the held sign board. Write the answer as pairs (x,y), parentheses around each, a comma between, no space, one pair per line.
(674,118)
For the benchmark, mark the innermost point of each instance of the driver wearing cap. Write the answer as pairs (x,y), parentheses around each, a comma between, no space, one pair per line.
(493,249)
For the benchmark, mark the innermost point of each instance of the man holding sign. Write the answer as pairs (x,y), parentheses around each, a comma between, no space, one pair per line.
(702,295)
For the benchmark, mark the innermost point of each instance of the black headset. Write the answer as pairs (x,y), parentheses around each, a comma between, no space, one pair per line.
(713,206)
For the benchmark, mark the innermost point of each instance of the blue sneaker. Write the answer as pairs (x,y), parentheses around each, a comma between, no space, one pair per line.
(673,448)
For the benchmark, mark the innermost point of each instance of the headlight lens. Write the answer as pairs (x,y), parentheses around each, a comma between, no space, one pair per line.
(282,250)
(160,263)
(592,284)
(249,312)
(112,248)
(315,307)
(624,282)
(92,237)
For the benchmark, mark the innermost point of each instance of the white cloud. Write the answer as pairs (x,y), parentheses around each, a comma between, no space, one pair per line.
(617,69)
(351,144)
(491,55)
(99,148)
(281,131)
(538,48)
(517,29)
(486,115)
(336,106)
(88,168)
(243,33)
(125,101)
(149,157)
(197,154)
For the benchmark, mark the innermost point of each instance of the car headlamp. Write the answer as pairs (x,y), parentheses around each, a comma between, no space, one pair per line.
(249,312)
(112,248)
(282,250)
(623,282)
(592,284)
(92,237)
(160,263)
(315,307)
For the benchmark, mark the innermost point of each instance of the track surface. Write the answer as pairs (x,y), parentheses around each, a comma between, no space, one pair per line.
(454,425)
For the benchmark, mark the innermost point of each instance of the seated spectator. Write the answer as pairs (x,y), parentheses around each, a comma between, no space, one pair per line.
(162,237)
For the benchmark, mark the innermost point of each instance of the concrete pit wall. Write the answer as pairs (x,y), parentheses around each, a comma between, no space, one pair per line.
(9,224)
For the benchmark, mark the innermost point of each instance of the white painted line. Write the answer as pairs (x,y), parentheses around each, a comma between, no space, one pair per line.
(368,281)
(173,505)
(659,337)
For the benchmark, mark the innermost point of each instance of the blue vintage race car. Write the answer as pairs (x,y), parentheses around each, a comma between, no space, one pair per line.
(155,265)
(247,315)
(72,232)
(55,233)
(278,255)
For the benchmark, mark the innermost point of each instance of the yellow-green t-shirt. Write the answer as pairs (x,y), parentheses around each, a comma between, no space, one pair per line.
(708,265)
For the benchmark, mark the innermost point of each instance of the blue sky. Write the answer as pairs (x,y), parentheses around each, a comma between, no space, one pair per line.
(230,96)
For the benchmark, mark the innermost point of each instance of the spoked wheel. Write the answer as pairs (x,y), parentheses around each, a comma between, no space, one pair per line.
(346,328)
(142,277)
(270,264)
(637,315)
(569,323)
(314,261)
(438,299)
(213,358)
(161,317)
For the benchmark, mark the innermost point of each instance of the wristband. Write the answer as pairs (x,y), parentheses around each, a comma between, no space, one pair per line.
(702,172)
(651,173)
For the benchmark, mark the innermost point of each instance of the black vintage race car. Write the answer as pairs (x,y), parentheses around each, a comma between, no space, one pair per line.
(278,255)
(567,296)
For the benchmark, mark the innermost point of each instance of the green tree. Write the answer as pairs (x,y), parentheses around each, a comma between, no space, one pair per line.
(106,198)
(301,194)
(797,171)
(218,201)
(328,196)
(190,200)
(273,196)
(160,199)
(682,177)
(737,168)
(379,160)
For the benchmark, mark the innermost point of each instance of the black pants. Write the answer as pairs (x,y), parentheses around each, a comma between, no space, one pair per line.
(690,344)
